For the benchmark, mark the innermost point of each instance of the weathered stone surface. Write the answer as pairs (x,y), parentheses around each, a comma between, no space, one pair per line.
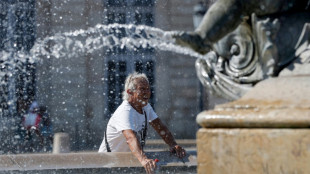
(116,162)
(276,102)
(255,133)
(255,151)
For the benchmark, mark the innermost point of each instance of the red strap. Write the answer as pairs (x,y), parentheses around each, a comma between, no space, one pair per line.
(38,119)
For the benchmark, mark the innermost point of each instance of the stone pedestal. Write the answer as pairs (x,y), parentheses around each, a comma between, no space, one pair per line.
(61,143)
(266,131)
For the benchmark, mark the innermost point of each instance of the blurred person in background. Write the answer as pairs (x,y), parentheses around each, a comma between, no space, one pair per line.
(31,123)
(46,129)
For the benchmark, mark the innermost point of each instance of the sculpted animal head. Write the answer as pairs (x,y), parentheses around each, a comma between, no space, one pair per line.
(257,49)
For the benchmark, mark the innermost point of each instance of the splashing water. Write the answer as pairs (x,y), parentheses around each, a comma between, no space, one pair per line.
(79,42)
(100,36)
(74,43)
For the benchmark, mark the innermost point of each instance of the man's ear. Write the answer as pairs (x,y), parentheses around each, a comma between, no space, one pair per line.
(129,91)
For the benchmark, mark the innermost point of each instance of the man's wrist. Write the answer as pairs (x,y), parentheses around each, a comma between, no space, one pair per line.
(142,158)
(173,145)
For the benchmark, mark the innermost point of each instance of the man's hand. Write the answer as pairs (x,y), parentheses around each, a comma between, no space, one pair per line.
(166,135)
(135,148)
(149,165)
(178,151)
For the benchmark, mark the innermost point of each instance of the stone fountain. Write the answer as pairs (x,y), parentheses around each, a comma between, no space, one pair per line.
(257,55)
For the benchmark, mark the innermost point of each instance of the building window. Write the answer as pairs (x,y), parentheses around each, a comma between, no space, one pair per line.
(3,26)
(17,33)
(144,2)
(21,18)
(116,3)
(116,18)
(139,12)
(138,18)
(120,62)
(116,78)
(149,19)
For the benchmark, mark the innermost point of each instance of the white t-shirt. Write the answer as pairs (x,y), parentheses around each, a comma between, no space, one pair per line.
(125,117)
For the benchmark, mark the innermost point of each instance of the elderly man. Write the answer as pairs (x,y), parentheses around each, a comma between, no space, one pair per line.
(127,128)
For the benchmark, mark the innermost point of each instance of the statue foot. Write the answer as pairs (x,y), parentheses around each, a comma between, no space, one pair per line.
(192,40)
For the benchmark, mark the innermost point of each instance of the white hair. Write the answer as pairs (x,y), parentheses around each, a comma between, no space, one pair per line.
(130,83)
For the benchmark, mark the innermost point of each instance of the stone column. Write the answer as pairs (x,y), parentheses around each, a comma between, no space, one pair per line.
(61,143)
(266,131)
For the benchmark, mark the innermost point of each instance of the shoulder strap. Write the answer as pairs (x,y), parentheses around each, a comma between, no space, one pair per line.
(106,140)
(142,138)
(144,131)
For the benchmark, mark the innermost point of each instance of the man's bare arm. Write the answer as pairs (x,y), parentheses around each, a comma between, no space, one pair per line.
(137,151)
(167,136)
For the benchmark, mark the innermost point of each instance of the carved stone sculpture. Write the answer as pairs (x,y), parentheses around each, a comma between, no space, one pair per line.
(246,42)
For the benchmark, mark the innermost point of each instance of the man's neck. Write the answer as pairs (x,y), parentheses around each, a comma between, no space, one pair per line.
(136,107)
